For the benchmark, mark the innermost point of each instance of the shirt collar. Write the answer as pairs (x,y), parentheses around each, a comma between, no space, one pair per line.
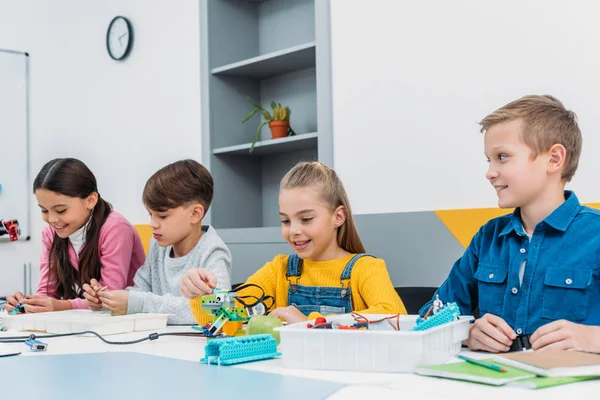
(559,219)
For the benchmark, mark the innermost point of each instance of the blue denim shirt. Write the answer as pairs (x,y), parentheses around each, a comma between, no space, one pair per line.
(561,273)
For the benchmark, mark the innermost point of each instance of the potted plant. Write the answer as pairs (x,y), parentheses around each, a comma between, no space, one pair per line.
(278,120)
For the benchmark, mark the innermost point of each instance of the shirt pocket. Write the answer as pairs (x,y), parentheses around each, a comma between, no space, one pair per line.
(566,293)
(491,285)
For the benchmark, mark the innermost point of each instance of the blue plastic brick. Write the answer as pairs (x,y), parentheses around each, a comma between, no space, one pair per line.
(18,309)
(235,350)
(448,313)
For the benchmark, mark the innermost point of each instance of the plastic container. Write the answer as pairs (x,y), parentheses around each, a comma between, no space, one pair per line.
(378,349)
(69,321)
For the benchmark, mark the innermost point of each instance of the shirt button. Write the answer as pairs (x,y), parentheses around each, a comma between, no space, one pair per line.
(519,331)
(569,281)
(523,251)
(514,290)
(491,276)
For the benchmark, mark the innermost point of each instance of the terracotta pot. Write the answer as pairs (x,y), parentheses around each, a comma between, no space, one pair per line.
(279,129)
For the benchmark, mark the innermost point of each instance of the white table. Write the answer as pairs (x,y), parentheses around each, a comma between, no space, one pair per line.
(360,385)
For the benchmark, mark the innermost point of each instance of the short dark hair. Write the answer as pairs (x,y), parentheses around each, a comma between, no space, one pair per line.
(179,184)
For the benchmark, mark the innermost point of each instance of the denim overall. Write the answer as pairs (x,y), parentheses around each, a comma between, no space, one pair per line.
(324,300)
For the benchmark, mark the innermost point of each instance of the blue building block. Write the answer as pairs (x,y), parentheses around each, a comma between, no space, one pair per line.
(18,309)
(235,350)
(449,313)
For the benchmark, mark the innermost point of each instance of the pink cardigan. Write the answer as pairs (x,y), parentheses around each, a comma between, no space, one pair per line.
(121,255)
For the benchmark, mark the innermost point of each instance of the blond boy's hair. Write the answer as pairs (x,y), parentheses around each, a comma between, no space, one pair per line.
(545,122)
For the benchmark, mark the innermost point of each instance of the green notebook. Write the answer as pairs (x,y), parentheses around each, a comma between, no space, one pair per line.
(465,371)
(543,382)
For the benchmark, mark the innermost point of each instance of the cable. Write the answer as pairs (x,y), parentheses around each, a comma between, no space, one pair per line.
(152,336)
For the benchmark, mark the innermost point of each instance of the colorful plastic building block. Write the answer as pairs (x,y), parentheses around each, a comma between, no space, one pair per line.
(227,319)
(18,309)
(235,350)
(448,313)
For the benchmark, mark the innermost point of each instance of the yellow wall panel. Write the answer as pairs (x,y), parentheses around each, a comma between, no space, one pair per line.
(465,223)
(145,232)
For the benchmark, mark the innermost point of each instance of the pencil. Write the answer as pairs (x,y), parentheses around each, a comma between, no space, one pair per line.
(482,363)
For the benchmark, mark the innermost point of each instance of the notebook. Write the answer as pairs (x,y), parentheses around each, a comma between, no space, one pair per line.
(7,350)
(541,382)
(474,373)
(554,363)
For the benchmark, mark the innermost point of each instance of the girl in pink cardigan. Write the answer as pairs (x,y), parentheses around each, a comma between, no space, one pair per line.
(84,242)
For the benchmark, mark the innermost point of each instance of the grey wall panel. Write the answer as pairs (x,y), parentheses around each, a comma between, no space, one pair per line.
(233,31)
(417,247)
(285,23)
(228,106)
(248,258)
(324,96)
(236,175)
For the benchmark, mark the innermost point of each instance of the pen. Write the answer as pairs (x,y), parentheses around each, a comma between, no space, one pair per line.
(482,363)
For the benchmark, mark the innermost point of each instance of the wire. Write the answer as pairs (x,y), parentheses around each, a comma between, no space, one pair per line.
(388,319)
(263,299)
(152,336)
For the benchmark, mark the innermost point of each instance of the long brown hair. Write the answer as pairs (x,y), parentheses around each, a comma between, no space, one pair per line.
(71,177)
(333,192)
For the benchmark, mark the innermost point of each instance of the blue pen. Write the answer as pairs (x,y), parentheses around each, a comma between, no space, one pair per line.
(482,363)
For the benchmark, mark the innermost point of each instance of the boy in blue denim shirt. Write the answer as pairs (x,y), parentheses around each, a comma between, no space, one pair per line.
(533,274)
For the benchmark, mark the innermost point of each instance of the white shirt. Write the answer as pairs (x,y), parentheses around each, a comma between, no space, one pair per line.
(77,238)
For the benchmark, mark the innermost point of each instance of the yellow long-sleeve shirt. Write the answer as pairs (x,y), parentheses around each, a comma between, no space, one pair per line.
(372,289)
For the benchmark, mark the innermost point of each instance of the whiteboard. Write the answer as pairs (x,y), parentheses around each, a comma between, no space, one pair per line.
(15,189)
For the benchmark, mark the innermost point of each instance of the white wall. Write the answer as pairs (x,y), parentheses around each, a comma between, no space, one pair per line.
(411,79)
(123,119)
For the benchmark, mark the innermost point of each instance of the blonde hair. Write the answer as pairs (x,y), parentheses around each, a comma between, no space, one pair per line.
(545,122)
(332,191)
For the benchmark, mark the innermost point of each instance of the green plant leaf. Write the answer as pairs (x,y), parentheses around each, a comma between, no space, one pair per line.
(257,135)
(267,117)
(250,115)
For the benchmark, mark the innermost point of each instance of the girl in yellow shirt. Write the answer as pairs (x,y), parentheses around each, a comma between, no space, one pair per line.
(329,272)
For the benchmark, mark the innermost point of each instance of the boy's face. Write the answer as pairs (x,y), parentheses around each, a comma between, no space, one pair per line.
(173,225)
(518,179)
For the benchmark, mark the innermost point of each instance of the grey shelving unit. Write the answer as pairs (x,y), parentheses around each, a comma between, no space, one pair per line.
(269,50)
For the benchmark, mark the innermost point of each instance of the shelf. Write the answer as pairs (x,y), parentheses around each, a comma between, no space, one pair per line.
(271,64)
(272,146)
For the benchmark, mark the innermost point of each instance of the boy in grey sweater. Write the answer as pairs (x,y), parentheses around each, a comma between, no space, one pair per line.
(177,198)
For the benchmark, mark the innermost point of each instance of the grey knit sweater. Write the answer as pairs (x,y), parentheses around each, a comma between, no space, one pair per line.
(157,282)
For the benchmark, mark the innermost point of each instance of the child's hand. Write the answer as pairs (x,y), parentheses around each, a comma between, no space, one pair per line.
(39,303)
(115,301)
(566,335)
(290,314)
(90,295)
(13,301)
(491,333)
(197,282)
